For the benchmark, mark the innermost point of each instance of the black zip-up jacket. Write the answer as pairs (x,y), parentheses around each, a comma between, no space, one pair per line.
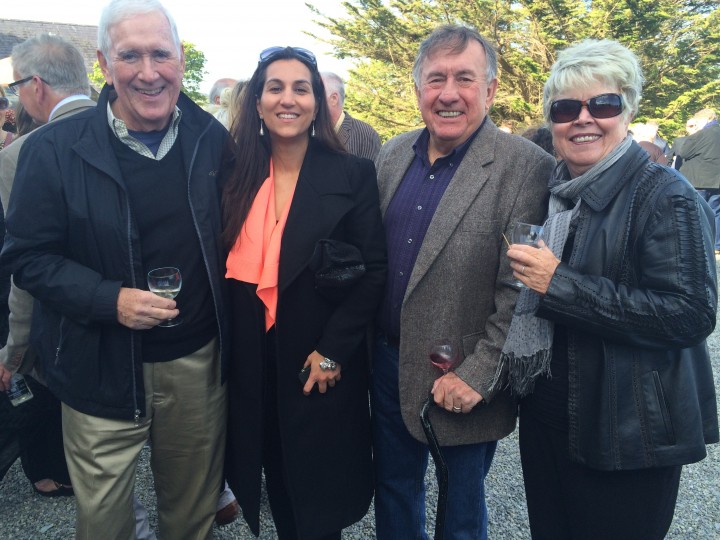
(638,296)
(72,242)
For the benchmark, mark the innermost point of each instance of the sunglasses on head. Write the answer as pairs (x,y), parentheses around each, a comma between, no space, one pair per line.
(563,111)
(271,52)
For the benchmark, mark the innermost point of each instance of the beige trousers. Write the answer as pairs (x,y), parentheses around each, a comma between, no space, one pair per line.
(185,423)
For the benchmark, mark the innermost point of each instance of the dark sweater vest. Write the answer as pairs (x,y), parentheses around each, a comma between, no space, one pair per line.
(158,193)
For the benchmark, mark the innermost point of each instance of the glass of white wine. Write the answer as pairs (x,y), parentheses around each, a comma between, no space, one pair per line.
(528,234)
(166,282)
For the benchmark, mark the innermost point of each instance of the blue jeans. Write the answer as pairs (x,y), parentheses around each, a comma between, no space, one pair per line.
(401,462)
(713,199)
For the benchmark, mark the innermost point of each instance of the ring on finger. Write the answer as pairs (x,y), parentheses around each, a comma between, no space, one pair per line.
(522,270)
(457,409)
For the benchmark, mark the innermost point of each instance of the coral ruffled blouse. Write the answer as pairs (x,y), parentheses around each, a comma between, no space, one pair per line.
(255,257)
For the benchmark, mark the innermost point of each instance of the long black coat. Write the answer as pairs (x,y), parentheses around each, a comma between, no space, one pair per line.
(326,438)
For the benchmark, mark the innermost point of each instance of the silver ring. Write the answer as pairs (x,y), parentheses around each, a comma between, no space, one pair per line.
(457,409)
(328,365)
(522,270)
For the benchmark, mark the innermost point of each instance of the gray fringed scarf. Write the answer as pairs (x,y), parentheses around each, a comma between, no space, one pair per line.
(528,348)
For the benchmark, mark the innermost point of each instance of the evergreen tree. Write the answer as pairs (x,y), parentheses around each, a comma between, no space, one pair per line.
(677,41)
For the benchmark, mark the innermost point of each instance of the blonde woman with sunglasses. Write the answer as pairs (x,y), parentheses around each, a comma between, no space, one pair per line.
(607,345)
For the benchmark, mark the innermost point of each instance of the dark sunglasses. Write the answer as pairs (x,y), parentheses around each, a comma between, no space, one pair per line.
(271,52)
(563,111)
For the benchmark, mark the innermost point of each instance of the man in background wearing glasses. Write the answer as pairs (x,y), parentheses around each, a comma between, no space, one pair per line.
(100,199)
(448,192)
(47,58)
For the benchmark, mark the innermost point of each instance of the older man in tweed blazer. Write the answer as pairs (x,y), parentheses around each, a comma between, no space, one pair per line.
(448,193)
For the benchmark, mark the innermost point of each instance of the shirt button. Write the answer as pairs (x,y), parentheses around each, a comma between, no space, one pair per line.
(419,207)
(432,177)
(409,240)
(451,164)
(402,273)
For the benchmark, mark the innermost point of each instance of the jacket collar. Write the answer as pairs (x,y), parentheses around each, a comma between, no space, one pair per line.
(93,145)
(599,194)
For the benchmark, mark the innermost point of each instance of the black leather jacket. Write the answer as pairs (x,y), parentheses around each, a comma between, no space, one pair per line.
(638,297)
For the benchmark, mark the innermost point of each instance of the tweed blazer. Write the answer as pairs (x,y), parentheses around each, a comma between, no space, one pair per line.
(459,285)
(13,355)
(359,138)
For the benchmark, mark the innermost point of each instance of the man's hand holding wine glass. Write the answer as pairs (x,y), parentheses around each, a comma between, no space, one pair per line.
(453,394)
(449,391)
(142,310)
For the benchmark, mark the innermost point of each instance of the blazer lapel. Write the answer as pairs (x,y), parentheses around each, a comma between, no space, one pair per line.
(464,188)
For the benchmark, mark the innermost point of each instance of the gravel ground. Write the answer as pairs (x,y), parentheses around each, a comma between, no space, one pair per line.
(27,516)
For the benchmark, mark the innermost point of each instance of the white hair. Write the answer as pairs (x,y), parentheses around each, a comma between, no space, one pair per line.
(594,61)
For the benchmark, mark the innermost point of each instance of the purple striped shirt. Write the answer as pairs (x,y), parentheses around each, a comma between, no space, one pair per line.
(407,219)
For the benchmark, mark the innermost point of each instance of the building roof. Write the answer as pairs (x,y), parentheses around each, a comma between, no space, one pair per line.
(84,37)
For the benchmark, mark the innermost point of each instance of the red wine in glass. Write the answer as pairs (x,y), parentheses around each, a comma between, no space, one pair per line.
(443,355)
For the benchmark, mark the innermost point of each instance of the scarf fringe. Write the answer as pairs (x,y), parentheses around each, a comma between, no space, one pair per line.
(522,371)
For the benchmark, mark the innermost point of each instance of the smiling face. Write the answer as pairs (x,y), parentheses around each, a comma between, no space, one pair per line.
(146,71)
(586,140)
(454,96)
(287,105)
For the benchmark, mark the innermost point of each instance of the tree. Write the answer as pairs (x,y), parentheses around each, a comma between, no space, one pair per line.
(194,73)
(677,41)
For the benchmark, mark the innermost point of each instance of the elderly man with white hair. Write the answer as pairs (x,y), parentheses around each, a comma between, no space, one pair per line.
(100,199)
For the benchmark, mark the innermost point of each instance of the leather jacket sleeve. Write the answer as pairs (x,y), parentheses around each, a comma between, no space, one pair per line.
(664,294)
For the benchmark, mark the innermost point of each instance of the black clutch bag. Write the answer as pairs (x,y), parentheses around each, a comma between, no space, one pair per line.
(337,266)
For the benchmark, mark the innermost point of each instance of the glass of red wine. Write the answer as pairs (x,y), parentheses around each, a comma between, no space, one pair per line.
(444,355)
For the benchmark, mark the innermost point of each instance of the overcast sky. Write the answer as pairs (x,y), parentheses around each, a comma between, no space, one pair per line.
(230,33)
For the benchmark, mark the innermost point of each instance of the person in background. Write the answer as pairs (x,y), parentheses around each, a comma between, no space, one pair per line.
(235,100)
(51,84)
(449,192)
(607,344)
(700,155)
(215,92)
(644,135)
(306,271)
(84,228)
(540,136)
(7,121)
(358,137)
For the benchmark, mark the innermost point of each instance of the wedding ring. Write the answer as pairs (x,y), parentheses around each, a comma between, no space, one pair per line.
(522,270)
(457,409)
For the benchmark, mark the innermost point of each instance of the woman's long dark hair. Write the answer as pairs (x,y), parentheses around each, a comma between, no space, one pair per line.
(252,153)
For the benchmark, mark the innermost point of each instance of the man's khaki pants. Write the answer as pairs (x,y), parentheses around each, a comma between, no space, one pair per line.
(186,412)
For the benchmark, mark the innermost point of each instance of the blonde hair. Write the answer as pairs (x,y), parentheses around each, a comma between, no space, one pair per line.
(591,61)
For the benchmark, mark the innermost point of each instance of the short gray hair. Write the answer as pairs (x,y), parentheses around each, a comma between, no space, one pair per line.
(118,10)
(455,38)
(56,61)
(219,86)
(596,61)
(333,83)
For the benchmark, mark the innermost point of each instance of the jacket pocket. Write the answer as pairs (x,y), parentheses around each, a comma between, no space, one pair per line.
(658,414)
(469,341)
